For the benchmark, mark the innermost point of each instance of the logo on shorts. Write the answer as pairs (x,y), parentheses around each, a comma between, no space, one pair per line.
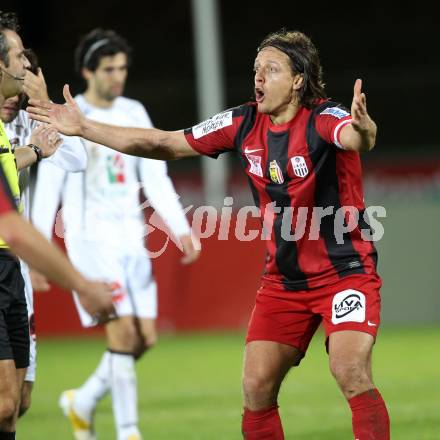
(118,292)
(348,306)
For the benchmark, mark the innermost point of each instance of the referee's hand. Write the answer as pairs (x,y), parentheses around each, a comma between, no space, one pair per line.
(96,298)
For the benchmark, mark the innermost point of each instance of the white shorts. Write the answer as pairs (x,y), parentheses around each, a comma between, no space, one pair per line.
(31,371)
(132,270)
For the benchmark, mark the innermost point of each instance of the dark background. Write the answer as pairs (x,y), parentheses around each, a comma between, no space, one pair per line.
(394,49)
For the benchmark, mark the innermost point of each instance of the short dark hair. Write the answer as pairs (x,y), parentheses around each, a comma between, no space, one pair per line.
(304,59)
(8,20)
(99,43)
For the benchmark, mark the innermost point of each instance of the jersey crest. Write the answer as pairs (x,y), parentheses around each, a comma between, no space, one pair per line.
(299,166)
(255,162)
(276,175)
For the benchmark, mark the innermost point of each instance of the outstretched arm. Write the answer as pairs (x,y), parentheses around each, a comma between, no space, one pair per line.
(151,143)
(360,135)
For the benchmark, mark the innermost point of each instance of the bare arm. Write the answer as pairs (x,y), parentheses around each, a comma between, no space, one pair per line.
(360,135)
(151,143)
(24,157)
(26,242)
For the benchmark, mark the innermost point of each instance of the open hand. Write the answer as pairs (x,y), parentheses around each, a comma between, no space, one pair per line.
(361,120)
(67,118)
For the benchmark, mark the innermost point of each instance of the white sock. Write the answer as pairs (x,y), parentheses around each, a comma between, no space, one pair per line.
(124,394)
(94,388)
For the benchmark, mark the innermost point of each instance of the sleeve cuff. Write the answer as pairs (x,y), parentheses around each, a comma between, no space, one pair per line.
(337,132)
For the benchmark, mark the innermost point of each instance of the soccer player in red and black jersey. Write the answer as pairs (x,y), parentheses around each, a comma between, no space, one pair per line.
(298,150)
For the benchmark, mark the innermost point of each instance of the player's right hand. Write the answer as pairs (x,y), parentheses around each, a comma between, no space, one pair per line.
(67,118)
(96,298)
(47,138)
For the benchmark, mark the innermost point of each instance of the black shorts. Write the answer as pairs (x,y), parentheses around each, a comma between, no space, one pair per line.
(14,326)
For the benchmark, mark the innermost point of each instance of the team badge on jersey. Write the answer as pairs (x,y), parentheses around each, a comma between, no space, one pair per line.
(255,162)
(299,166)
(276,175)
(115,169)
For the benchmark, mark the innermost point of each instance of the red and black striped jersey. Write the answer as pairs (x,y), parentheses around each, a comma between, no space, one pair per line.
(300,177)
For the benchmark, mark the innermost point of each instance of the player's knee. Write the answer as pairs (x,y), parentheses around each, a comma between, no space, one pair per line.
(256,388)
(123,337)
(8,407)
(351,376)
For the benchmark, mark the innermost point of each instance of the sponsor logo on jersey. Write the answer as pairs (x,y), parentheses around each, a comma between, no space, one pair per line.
(348,306)
(255,162)
(337,112)
(215,123)
(276,175)
(299,166)
(115,169)
(247,150)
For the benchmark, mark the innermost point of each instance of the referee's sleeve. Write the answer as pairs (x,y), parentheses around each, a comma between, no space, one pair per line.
(6,199)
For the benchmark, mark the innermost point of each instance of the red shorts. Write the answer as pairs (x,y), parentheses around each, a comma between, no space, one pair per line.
(292,318)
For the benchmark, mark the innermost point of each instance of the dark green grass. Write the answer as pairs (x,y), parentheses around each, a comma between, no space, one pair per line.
(189,388)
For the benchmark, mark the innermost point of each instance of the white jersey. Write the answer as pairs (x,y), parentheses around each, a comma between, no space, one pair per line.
(70,156)
(102,203)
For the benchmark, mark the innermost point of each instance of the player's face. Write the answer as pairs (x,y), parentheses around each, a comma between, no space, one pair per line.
(108,80)
(18,63)
(10,109)
(274,82)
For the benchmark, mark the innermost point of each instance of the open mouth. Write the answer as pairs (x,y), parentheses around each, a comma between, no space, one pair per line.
(259,95)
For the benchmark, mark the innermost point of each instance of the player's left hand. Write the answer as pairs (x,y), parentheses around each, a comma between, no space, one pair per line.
(67,118)
(191,248)
(35,86)
(361,119)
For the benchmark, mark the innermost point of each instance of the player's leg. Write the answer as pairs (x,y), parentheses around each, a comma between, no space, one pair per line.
(15,322)
(123,339)
(279,333)
(29,379)
(26,397)
(351,320)
(146,328)
(350,363)
(9,397)
(139,334)
(26,391)
(94,260)
(265,365)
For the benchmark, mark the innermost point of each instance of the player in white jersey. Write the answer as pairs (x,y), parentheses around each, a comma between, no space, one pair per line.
(105,233)
(70,156)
